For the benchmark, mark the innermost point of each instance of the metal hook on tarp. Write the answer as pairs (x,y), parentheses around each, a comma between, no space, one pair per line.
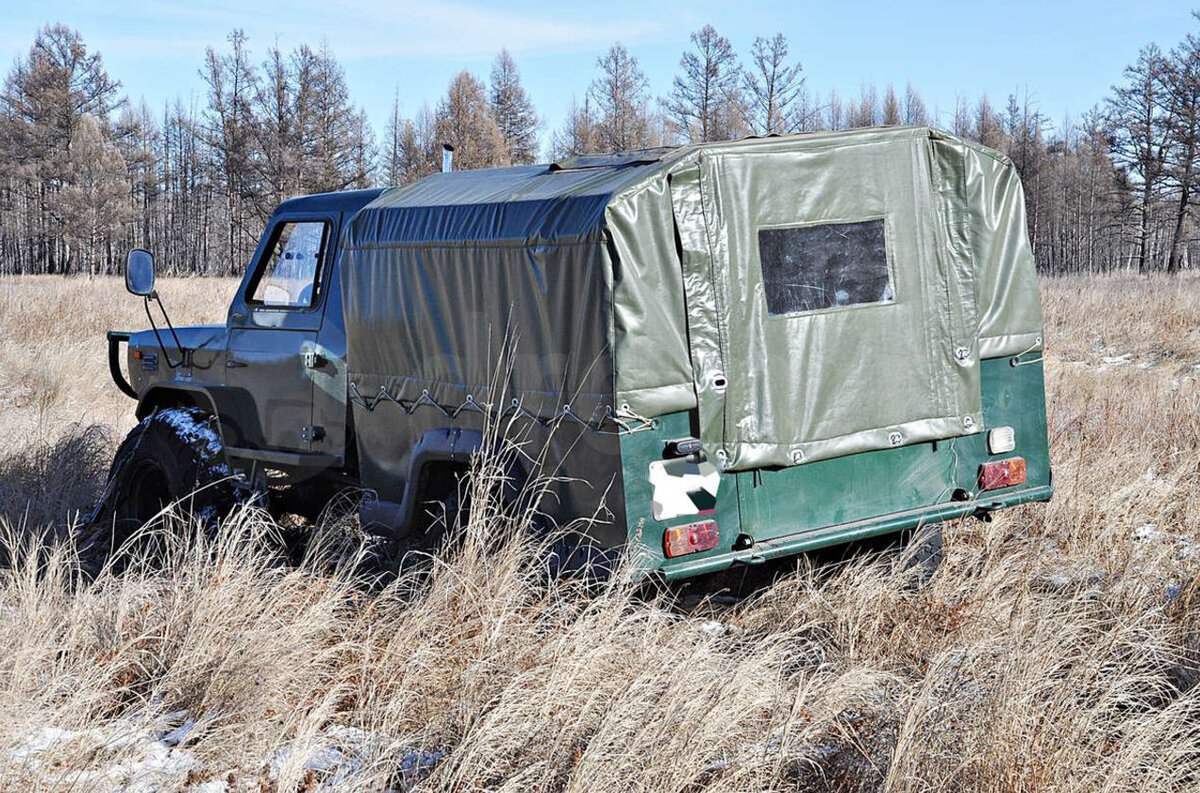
(469,405)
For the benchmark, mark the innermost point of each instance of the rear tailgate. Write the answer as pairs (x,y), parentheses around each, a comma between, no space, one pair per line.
(860,487)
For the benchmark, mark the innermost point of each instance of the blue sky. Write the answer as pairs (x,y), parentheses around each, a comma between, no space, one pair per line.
(1067,53)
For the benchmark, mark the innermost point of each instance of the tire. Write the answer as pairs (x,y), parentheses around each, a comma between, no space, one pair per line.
(173,457)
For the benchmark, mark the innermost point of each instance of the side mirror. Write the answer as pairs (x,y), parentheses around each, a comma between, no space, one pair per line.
(139,272)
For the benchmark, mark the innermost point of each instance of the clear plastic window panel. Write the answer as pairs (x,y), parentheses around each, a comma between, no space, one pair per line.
(824,266)
(290,276)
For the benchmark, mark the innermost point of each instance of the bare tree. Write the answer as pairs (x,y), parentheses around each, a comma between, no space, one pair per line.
(83,176)
(806,112)
(865,113)
(772,87)
(410,149)
(464,120)
(891,108)
(988,126)
(835,113)
(335,148)
(138,141)
(279,138)
(1183,83)
(46,96)
(963,125)
(513,110)
(422,149)
(620,95)
(52,89)
(915,113)
(93,203)
(579,134)
(705,98)
(392,151)
(362,151)
(229,134)
(1140,118)
(1022,130)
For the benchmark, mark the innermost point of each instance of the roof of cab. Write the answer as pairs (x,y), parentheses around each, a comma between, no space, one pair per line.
(343,201)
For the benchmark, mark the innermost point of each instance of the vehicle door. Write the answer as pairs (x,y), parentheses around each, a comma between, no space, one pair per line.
(273,325)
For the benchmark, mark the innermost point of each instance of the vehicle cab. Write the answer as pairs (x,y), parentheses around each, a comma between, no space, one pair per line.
(275,374)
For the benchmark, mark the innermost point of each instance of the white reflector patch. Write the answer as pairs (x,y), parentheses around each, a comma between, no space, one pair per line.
(674,480)
(1002,440)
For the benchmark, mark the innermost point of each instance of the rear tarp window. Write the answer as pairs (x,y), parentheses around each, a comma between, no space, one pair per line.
(824,265)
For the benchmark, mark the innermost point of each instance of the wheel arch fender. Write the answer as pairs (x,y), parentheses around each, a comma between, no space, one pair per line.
(442,445)
(237,421)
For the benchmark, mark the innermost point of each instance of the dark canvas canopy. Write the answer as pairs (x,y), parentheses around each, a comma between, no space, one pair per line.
(813,295)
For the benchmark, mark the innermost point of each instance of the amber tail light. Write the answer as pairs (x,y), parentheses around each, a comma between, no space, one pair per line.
(1002,473)
(690,538)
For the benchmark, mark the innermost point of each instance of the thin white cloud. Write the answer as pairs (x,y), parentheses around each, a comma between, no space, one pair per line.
(381,28)
(457,29)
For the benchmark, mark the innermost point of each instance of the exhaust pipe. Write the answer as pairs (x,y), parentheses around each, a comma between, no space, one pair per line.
(447,158)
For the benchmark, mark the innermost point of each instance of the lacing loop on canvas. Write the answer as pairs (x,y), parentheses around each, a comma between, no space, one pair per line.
(624,420)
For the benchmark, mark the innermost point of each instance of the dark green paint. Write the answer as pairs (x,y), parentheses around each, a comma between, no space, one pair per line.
(828,502)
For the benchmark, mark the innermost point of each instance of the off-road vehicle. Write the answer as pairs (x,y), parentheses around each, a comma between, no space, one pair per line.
(735,351)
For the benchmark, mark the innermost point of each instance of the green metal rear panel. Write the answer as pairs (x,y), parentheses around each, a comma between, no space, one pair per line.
(827,502)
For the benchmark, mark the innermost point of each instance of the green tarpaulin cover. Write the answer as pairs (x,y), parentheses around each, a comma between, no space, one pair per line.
(813,295)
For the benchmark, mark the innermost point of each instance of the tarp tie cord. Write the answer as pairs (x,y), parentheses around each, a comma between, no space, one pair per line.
(626,421)
(1016,359)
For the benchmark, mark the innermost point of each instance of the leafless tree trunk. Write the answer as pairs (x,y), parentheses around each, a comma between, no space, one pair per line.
(705,100)
(620,95)
(1183,80)
(1140,121)
(771,87)
(513,110)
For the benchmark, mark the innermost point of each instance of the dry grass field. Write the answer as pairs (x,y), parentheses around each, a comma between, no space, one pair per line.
(1057,648)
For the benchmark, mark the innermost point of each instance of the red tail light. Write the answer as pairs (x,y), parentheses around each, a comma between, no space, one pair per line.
(1002,473)
(690,538)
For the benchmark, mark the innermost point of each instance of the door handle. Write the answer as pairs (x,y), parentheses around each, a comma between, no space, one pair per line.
(234,363)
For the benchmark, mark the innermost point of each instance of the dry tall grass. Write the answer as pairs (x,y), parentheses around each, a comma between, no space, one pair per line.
(60,415)
(1056,649)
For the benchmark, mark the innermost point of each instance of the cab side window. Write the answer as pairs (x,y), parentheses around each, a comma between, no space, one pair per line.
(289,275)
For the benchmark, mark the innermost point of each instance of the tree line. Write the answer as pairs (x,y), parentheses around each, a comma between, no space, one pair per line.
(86,174)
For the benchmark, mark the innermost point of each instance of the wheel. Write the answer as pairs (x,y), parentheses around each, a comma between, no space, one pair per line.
(174,456)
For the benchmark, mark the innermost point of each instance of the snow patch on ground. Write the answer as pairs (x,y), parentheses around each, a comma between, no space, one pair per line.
(341,753)
(1181,550)
(140,756)
(713,628)
(1146,532)
(1102,359)
(122,757)
(1183,546)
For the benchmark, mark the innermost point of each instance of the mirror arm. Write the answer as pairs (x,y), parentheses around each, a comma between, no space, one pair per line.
(179,345)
